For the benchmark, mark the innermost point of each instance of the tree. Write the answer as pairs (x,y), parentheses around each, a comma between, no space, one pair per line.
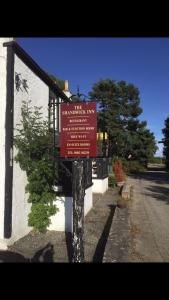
(165,131)
(144,145)
(119,108)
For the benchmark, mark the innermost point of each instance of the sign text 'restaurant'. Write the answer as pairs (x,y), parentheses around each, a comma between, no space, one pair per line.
(78,130)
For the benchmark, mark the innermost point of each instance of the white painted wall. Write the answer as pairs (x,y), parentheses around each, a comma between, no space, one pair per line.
(38,93)
(100,185)
(63,220)
(3,73)
(88,200)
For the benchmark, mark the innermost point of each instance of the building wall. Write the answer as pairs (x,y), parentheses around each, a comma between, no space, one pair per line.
(100,185)
(3,74)
(63,220)
(88,200)
(38,93)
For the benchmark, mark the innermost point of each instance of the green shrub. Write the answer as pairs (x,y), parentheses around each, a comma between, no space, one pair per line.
(39,216)
(33,142)
(133,166)
(156,160)
(111,181)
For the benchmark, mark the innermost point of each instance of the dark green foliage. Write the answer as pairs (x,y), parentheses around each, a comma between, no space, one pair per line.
(166,142)
(133,166)
(156,160)
(59,82)
(111,181)
(39,216)
(144,146)
(118,115)
(34,145)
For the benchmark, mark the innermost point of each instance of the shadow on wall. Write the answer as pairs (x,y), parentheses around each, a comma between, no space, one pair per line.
(43,255)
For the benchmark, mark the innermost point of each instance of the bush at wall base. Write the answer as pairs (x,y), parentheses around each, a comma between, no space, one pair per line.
(34,144)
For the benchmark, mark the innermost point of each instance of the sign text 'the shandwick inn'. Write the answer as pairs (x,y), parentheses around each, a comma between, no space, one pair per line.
(78,130)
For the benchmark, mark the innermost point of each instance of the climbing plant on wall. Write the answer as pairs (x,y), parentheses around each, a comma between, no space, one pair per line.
(33,142)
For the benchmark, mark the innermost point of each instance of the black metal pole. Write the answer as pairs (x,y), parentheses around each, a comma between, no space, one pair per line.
(78,190)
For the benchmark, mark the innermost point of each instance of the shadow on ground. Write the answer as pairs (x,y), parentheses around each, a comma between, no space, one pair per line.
(157,177)
(69,245)
(43,255)
(100,248)
(158,192)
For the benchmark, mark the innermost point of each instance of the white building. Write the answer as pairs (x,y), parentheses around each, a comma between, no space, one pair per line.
(21,79)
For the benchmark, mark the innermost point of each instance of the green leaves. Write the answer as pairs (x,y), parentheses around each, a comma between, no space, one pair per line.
(34,144)
(119,108)
(39,216)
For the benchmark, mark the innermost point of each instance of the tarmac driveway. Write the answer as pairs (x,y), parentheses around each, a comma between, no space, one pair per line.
(152,197)
(144,223)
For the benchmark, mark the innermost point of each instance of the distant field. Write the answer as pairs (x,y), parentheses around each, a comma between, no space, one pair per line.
(156,166)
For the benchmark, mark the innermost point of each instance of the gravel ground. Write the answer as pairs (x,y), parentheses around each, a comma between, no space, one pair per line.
(54,246)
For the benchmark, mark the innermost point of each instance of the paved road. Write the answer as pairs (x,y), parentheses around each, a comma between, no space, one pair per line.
(140,232)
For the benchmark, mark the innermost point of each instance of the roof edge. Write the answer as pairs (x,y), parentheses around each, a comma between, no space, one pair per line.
(28,60)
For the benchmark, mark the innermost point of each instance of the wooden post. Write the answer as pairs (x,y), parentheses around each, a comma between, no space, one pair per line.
(78,189)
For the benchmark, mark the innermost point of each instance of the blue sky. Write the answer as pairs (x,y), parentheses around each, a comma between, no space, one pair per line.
(83,61)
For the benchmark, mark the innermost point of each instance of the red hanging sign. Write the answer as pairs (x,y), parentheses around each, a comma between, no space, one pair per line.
(78,130)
